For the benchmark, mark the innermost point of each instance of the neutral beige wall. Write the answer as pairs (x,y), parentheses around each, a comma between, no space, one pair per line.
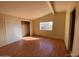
(67,25)
(58,26)
(75,50)
(31,28)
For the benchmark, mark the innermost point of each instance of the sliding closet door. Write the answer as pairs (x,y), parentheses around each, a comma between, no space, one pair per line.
(13,29)
(2,32)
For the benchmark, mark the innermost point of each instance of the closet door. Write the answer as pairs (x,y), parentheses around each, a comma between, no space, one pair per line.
(13,29)
(2,32)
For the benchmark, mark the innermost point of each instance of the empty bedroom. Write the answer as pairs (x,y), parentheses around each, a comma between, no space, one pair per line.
(39,28)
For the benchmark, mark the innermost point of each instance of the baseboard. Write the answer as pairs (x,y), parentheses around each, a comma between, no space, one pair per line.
(8,43)
(48,37)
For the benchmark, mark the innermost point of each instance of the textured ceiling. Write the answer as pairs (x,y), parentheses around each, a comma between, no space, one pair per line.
(32,9)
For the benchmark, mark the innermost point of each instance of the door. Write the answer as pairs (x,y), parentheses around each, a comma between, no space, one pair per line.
(25,28)
(13,29)
(72,26)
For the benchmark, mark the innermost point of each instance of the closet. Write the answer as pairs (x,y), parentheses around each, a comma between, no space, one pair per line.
(10,29)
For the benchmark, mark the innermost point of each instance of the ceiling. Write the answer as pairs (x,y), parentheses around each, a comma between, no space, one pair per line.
(32,9)
(63,6)
(28,10)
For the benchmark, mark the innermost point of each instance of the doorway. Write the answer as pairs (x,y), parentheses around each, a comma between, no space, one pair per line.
(25,28)
(71,31)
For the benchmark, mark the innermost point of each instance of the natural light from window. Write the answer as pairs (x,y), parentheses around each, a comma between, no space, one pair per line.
(48,26)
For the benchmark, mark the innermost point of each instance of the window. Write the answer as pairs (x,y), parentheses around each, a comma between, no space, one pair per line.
(46,25)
